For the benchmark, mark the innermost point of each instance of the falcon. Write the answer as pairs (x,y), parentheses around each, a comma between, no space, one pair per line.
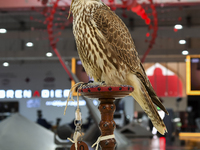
(108,54)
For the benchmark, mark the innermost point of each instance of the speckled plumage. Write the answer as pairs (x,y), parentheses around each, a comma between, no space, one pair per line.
(108,54)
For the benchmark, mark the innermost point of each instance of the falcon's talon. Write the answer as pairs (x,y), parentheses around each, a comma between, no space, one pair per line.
(94,83)
(103,83)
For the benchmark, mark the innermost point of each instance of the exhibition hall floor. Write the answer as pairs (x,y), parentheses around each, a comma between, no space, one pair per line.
(155,144)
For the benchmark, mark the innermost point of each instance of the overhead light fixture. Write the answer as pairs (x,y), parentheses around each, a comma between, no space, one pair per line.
(5,64)
(176,119)
(49,54)
(182,41)
(2,30)
(29,44)
(178,26)
(185,52)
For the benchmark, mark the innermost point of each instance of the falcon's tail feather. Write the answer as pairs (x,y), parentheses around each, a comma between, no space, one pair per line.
(141,95)
(152,113)
(155,98)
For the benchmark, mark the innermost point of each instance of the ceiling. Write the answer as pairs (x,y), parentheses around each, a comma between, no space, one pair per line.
(25,24)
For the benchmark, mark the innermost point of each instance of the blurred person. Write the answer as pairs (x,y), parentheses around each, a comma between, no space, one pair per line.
(41,121)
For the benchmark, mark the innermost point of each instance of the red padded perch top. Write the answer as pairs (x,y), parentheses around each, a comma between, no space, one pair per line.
(105,91)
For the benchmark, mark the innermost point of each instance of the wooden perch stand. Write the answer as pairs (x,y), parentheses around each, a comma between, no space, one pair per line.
(106,94)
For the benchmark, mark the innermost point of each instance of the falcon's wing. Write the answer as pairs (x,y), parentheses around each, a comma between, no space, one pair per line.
(119,41)
(117,36)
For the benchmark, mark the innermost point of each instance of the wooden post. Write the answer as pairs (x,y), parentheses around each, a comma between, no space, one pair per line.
(107,124)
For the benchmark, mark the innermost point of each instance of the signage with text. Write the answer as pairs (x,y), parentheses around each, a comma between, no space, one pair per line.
(45,93)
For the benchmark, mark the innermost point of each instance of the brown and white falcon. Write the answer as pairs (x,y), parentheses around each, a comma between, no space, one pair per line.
(108,54)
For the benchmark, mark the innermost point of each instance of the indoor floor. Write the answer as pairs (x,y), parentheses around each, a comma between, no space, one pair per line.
(159,144)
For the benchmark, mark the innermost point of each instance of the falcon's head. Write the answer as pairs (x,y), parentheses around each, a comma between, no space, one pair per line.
(81,1)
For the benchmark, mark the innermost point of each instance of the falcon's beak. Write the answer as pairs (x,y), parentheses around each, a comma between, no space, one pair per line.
(70,9)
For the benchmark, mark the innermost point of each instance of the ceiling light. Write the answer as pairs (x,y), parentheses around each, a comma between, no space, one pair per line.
(182,41)
(2,30)
(29,44)
(185,52)
(5,64)
(49,54)
(178,26)
(177,119)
